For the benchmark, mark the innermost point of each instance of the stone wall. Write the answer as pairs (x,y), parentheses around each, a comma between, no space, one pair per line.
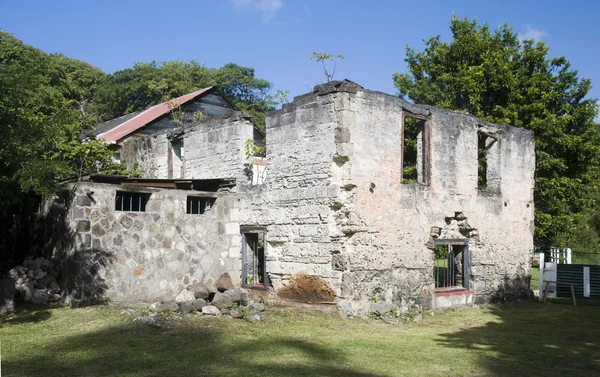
(215,148)
(391,255)
(295,203)
(212,148)
(146,256)
(335,206)
(142,150)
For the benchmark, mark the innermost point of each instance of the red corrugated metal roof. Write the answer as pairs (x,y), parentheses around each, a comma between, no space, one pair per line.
(144,118)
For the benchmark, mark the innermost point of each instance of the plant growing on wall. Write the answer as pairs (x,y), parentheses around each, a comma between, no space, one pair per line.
(252,150)
(326,59)
(179,116)
(281,96)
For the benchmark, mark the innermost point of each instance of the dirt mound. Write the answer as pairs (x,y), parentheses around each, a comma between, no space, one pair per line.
(304,288)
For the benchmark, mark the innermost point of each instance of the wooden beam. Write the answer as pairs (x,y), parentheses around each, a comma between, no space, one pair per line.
(407,113)
(149,184)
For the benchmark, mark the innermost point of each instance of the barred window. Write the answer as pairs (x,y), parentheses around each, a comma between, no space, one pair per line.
(131,201)
(197,205)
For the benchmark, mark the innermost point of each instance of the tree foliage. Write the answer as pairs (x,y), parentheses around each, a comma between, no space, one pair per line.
(148,84)
(493,75)
(46,102)
(50,102)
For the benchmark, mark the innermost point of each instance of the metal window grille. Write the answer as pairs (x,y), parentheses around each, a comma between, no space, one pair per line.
(131,201)
(199,205)
(451,264)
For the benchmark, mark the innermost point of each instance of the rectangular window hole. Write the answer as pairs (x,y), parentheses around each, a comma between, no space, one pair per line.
(450,269)
(413,150)
(482,163)
(197,205)
(131,201)
(488,161)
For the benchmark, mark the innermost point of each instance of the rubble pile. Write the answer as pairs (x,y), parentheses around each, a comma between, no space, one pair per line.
(213,299)
(35,281)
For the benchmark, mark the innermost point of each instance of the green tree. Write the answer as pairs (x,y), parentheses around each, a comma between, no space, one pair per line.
(47,102)
(148,84)
(246,91)
(493,75)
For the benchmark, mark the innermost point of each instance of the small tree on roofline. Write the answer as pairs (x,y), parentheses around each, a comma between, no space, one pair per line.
(323,58)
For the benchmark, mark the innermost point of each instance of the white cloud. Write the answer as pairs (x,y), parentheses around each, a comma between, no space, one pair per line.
(532,33)
(267,8)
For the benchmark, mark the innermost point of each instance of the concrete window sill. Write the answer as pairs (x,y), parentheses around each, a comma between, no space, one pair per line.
(453,291)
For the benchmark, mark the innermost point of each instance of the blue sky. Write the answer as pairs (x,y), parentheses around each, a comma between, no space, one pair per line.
(276,37)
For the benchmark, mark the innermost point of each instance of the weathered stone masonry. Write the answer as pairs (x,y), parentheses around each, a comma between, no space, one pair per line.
(212,148)
(334,205)
(151,255)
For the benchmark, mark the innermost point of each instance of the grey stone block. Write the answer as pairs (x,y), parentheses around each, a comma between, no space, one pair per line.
(381,308)
(256,307)
(200,303)
(186,307)
(211,310)
(222,300)
(83,226)
(224,283)
(185,296)
(236,313)
(39,297)
(254,317)
(235,294)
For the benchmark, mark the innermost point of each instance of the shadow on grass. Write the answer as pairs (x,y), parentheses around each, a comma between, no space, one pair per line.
(27,315)
(531,338)
(200,349)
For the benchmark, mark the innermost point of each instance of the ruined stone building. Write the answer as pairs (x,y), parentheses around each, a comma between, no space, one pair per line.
(376,198)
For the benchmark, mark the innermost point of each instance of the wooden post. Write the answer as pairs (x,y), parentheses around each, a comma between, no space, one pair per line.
(542,261)
(586,281)
(169,161)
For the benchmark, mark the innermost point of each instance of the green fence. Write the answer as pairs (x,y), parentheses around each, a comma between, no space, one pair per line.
(574,273)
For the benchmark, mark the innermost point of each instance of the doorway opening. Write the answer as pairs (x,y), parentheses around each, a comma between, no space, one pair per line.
(254,261)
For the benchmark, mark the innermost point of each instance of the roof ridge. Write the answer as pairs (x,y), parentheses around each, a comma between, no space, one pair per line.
(146,116)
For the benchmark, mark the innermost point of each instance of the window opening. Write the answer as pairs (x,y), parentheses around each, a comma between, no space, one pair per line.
(414,150)
(131,201)
(451,266)
(175,159)
(254,273)
(197,205)
(488,160)
(482,162)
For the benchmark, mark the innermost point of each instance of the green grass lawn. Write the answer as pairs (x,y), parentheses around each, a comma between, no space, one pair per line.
(535,278)
(523,339)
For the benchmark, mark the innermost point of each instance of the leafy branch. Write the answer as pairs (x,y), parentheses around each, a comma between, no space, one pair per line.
(324,58)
